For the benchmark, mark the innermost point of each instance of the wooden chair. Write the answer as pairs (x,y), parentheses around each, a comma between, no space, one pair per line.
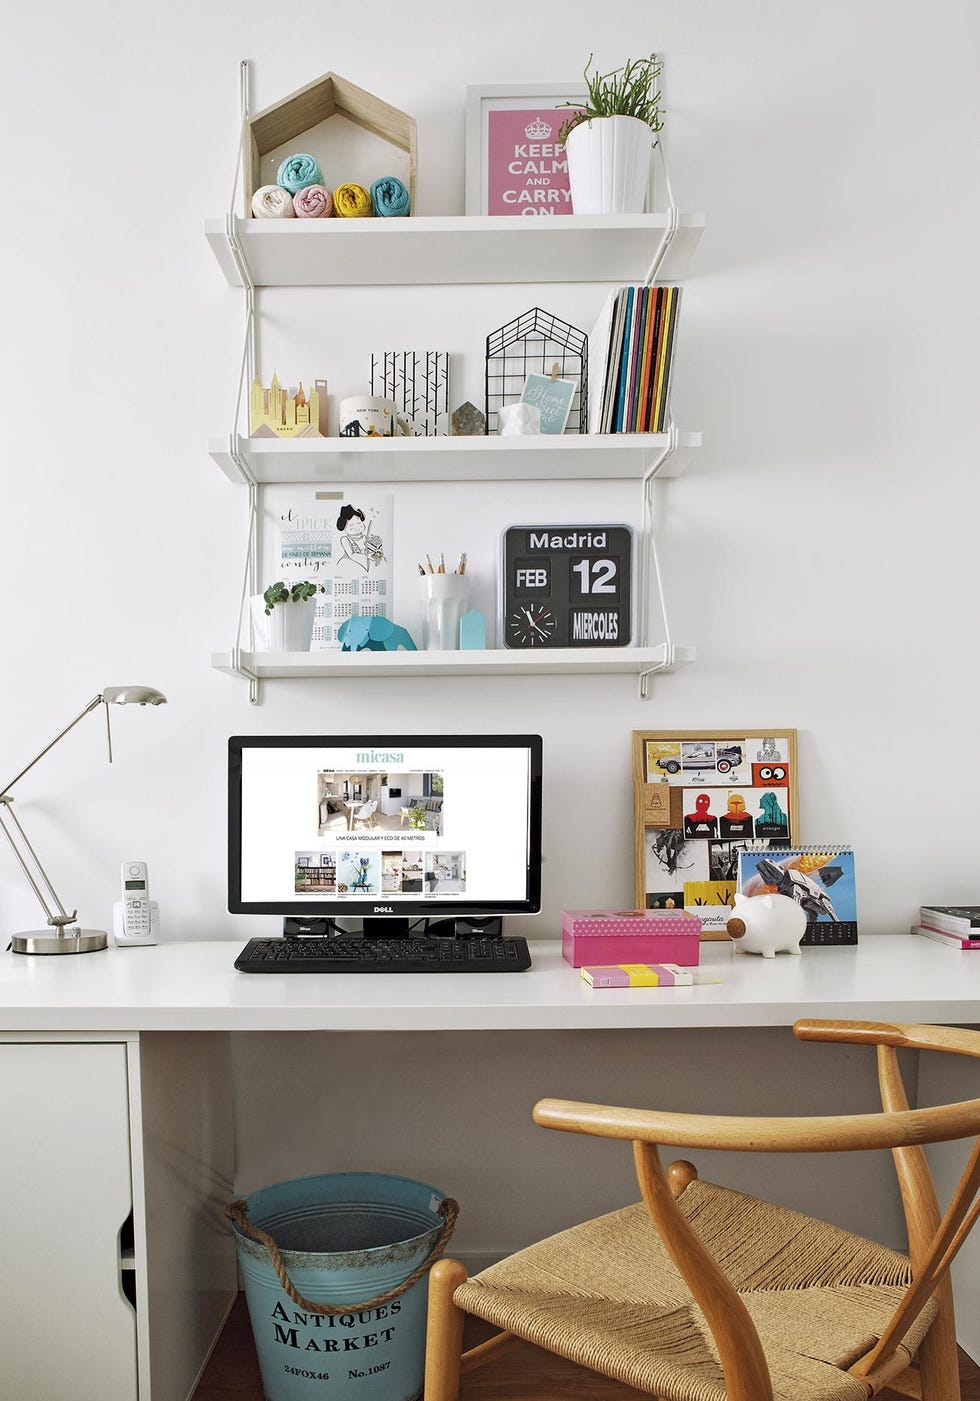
(365,814)
(725,1297)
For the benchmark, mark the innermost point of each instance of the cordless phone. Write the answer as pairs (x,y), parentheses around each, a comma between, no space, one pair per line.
(136,923)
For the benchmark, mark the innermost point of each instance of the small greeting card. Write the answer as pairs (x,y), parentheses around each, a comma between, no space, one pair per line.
(553,397)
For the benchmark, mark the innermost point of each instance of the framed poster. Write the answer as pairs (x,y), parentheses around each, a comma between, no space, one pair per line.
(514,165)
(700,797)
(566,586)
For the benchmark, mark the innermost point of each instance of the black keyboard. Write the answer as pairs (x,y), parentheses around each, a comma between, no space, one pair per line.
(311,954)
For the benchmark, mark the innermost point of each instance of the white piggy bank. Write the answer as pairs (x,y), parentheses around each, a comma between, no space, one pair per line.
(767,924)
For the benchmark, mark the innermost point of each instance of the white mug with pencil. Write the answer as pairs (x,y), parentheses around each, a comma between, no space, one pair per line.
(443,595)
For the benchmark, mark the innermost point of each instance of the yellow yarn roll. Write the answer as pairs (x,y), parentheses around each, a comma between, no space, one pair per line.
(352,202)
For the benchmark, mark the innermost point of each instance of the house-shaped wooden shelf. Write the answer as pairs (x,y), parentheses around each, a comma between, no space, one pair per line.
(304,121)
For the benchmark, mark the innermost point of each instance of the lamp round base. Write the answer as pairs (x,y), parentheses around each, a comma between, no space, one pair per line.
(73,940)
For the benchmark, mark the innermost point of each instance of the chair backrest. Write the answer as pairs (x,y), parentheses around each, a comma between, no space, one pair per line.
(934,1237)
(366,810)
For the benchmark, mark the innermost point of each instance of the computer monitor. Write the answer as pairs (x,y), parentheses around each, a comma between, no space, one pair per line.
(392,829)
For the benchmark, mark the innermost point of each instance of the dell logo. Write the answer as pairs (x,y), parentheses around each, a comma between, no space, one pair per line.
(384,909)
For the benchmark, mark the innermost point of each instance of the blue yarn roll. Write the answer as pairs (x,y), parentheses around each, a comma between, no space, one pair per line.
(296,172)
(389,197)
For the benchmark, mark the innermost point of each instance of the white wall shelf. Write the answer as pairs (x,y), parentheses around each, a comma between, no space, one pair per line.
(267,666)
(443,251)
(549,457)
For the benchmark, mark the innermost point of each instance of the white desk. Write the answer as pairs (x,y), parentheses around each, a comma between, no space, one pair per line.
(194,987)
(162,1080)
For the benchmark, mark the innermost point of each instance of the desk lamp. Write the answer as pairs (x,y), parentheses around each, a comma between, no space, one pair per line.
(67,937)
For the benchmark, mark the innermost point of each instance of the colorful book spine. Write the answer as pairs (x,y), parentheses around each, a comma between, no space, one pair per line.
(643,388)
(665,356)
(953,941)
(642,303)
(654,347)
(624,359)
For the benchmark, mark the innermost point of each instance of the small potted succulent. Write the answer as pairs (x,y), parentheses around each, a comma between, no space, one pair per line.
(282,616)
(610,136)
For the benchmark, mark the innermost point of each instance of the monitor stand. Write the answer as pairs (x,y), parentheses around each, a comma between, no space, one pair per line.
(398,926)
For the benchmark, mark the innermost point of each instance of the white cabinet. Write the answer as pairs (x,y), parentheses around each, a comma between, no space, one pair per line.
(116,1159)
(610,249)
(67,1327)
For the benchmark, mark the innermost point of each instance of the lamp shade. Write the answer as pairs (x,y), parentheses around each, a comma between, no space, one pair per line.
(133,695)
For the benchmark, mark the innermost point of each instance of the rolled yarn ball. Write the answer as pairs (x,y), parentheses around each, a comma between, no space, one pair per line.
(296,172)
(313,202)
(352,202)
(389,198)
(270,202)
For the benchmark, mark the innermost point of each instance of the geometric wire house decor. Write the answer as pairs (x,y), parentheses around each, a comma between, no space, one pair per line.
(536,342)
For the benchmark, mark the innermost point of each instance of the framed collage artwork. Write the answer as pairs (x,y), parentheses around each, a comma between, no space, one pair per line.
(700,798)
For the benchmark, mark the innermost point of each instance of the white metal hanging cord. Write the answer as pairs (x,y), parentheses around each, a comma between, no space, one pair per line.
(245,376)
(673,216)
(650,559)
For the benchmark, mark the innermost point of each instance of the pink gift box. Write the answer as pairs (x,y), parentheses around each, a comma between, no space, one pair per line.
(630,936)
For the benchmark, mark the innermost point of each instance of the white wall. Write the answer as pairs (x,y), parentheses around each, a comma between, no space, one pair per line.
(819,553)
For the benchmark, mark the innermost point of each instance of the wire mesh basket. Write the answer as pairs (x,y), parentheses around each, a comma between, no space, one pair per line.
(536,342)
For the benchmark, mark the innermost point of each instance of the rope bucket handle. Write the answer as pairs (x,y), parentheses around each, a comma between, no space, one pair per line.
(237,1212)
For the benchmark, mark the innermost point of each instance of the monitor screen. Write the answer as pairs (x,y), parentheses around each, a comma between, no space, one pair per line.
(383,825)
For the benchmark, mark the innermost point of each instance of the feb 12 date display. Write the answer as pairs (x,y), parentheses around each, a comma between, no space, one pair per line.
(566,586)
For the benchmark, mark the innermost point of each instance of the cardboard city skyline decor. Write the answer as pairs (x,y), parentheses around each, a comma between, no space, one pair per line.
(274,412)
(700,798)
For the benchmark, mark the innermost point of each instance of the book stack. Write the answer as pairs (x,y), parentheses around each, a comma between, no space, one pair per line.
(955,925)
(632,348)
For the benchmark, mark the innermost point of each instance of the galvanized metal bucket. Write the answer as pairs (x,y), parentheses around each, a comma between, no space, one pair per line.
(336,1279)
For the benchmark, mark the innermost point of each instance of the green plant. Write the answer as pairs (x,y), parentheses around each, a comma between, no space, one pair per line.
(629,91)
(290,593)
(416,817)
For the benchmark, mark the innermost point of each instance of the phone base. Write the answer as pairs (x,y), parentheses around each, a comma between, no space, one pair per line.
(124,940)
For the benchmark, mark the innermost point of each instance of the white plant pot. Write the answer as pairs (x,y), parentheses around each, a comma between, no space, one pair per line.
(609,165)
(288,628)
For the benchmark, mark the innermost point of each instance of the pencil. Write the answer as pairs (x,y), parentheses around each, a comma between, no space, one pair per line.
(421,571)
(461,567)
(429,563)
(442,563)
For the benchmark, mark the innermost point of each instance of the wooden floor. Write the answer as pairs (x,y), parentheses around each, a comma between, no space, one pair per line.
(233,1374)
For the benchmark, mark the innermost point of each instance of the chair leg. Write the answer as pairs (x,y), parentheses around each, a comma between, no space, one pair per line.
(939,1368)
(444,1332)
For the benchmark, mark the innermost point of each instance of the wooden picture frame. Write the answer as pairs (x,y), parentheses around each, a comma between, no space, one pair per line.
(509,172)
(699,796)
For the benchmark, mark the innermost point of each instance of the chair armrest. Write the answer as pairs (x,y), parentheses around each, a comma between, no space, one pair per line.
(911,1035)
(818,1134)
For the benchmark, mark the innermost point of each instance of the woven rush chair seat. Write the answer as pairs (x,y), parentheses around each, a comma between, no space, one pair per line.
(607,1296)
(702,1293)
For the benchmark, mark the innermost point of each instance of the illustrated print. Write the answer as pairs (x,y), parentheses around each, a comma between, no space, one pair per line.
(669,849)
(773,775)
(357,543)
(735,821)
(768,754)
(701,822)
(785,878)
(772,820)
(666,900)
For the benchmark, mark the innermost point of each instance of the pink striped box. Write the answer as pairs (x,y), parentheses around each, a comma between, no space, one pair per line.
(630,936)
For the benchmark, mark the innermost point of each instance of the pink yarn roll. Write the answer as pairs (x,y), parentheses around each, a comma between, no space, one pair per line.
(313,202)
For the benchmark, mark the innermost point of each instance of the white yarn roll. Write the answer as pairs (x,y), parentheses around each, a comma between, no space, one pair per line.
(273,202)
